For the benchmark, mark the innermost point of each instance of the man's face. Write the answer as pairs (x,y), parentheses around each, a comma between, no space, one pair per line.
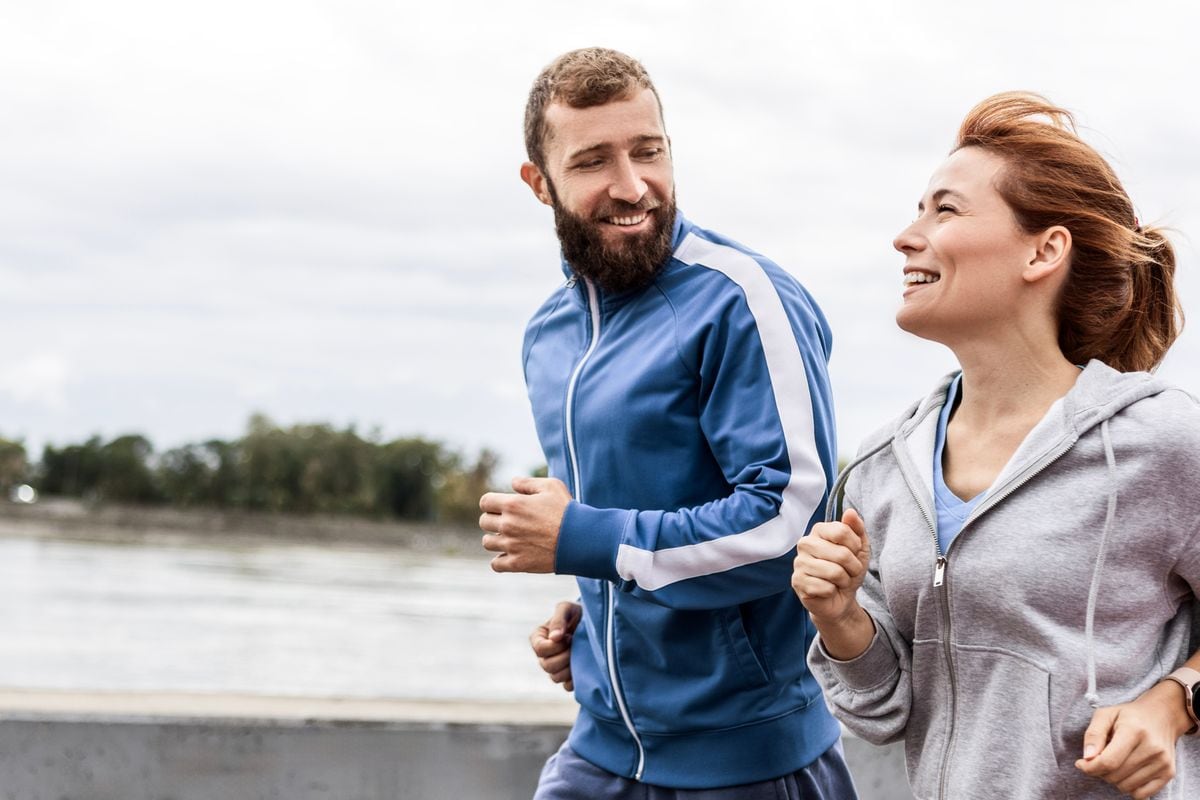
(610,180)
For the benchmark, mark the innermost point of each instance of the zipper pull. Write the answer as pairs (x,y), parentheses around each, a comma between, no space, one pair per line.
(572,281)
(939,571)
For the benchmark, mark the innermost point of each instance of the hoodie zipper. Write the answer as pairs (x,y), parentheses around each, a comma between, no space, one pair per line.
(1025,477)
(940,565)
(610,600)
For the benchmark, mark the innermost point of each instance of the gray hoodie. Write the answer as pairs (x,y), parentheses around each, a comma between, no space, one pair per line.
(1071,586)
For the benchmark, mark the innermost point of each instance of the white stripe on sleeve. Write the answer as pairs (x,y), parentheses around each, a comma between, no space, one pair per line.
(653,570)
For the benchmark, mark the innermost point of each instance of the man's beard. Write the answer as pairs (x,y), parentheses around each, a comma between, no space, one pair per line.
(631,265)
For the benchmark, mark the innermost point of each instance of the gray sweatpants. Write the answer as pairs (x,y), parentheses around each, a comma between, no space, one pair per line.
(566,776)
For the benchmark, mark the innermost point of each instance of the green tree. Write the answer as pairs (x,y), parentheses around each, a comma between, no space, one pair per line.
(301,469)
(337,469)
(458,497)
(186,476)
(271,466)
(73,471)
(14,467)
(125,473)
(406,477)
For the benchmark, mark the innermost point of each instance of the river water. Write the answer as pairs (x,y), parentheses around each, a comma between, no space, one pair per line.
(286,619)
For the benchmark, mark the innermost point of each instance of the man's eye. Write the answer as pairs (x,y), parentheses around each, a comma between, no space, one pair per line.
(944,209)
(653,152)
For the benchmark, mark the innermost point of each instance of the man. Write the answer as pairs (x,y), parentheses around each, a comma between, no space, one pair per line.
(679,389)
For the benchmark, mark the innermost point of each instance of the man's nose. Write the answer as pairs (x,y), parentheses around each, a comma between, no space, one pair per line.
(627,184)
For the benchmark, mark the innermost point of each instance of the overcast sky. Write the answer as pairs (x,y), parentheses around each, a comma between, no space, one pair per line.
(312,209)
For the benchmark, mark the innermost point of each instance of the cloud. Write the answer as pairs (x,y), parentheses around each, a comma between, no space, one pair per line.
(313,210)
(36,379)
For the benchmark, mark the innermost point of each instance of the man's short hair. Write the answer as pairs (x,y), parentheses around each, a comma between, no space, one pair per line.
(590,76)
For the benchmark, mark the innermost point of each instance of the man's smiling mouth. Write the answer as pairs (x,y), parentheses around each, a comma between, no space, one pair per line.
(625,221)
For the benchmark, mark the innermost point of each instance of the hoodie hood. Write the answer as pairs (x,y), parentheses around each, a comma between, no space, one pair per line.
(1099,393)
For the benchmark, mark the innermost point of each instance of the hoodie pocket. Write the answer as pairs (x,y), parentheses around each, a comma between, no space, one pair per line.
(1002,735)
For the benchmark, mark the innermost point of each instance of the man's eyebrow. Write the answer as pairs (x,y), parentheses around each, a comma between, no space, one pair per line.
(586,149)
(644,138)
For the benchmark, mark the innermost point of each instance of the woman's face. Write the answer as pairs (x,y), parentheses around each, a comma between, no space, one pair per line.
(964,253)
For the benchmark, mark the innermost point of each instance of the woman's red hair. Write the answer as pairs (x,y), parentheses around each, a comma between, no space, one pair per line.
(1118,304)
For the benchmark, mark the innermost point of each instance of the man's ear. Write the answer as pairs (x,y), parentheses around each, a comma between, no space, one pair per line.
(537,182)
(1052,256)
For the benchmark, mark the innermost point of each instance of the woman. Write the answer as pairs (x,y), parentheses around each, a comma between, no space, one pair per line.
(1014,577)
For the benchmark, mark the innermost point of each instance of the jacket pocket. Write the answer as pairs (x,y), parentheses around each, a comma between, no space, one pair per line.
(749,663)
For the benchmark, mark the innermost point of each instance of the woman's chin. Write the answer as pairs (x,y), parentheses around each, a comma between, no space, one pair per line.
(909,321)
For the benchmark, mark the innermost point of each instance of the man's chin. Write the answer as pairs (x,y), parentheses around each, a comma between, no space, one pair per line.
(625,244)
(617,260)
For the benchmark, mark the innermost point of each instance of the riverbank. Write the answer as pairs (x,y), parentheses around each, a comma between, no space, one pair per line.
(59,518)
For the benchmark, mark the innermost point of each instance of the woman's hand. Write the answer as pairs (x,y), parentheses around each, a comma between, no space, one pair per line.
(830,564)
(1132,745)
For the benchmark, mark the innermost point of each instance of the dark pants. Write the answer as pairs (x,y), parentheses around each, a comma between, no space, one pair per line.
(566,776)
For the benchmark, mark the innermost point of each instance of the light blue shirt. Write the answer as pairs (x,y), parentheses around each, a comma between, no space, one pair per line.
(952,511)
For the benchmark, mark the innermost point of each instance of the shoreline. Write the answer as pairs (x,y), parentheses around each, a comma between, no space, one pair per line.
(57,518)
(63,705)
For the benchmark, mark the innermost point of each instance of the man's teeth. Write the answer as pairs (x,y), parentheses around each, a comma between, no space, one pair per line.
(627,220)
(921,277)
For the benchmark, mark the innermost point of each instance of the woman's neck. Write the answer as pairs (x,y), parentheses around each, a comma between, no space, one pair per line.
(1011,384)
(1004,394)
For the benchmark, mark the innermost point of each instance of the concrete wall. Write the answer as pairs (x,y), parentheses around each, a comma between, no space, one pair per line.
(177,759)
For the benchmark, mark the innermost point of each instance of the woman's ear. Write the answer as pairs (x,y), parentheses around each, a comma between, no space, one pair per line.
(1052,256)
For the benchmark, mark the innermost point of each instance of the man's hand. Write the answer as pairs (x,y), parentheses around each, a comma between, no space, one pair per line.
(551,643)
(1132,745)
(522,528)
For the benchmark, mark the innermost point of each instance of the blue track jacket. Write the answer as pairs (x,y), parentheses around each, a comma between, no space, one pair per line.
(693,423)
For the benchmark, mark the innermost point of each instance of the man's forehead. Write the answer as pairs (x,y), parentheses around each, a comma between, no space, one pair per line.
(624,119)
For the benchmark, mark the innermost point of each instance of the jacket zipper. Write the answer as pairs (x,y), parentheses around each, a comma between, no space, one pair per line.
(610,600)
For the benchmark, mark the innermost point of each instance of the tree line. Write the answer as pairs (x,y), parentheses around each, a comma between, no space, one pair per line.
(310,468)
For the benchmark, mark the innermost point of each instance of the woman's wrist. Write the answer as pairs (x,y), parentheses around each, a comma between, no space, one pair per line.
(848,636)
(1169,696)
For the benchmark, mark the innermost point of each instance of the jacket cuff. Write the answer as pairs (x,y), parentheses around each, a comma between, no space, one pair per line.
(875,665)
(587,541)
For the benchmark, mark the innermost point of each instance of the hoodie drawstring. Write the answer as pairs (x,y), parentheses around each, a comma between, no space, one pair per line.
(834,505)
(1092,697)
